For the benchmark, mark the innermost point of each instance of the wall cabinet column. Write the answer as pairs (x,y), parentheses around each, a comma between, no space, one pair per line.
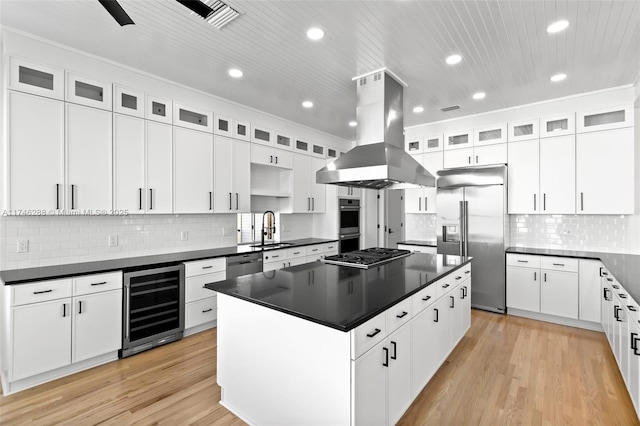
(89,139)
(193,171)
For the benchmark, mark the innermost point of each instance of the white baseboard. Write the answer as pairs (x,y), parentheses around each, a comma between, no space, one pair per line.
(571,322)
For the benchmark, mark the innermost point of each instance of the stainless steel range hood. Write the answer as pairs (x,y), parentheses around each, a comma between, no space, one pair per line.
(379,160)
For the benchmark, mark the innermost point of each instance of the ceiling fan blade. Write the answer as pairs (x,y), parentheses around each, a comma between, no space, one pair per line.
(118,13)
(196,6)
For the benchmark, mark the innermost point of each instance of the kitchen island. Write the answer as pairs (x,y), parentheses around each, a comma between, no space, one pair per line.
(327,344)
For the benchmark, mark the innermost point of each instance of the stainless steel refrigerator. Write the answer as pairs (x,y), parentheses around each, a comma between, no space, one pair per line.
(472,221)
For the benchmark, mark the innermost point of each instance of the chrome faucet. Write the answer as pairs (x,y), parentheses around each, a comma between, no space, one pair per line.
(269,229)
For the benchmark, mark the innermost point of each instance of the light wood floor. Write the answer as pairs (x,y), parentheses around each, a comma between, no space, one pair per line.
(506,370)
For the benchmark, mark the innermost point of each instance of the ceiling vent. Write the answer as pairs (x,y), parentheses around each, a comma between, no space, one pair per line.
(450,108)
(221,14)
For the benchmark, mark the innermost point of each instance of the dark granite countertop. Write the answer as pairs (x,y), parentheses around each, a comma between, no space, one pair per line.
(424,243)
(624,267)
(340,297)
(18,276)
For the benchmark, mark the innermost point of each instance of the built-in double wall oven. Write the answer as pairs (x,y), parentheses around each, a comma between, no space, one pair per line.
(349,231)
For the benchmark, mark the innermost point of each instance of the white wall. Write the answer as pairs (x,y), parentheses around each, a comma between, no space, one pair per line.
(57,240)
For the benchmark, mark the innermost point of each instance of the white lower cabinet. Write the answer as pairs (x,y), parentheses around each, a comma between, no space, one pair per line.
(633,383)
(589,276)
(559,293)
(66,325)
(200,302)
(382,380)
(523,288)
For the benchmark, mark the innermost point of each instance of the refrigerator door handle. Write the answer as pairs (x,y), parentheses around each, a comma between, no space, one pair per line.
(465,238)
(462,228)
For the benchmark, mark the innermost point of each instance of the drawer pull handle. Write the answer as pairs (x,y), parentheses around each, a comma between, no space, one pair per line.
(207,267)
(426,298)
(100,283)
(458,278)
(42,291)
(377,330)
(622,296)
(445,286)
(632,308)
(296,252)
(467,272)
(207,310)
(610,279)
(523,261)
(617,287)
(558,264)
(402,315)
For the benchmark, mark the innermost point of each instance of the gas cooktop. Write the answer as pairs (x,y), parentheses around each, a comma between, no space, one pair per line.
(366,258)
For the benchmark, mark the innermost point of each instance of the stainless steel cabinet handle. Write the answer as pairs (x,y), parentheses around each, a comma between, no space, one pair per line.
(425,204)
(544,201)
(469,159)
(534,202)
(313,204)
(237,202)
(150,199)
(582,201)
(419,204)
(308,204)
(476,159)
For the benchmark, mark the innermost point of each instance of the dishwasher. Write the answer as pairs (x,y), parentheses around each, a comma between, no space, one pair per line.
(244,264)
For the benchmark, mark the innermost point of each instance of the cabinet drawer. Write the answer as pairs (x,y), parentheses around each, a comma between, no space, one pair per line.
(96,283)
(274,256)
(206,266)
(423,298)
(314,250)
(41,291)
(445,285)
(559,264)
(399,314)
(368,334)
(330,248)
(296,252)
(462,274)
(194,286)
(200,312)
(523,260)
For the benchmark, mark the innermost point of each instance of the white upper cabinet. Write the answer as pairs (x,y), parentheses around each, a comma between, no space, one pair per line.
(31,77)
(231,176)
(433,143)
(414,145)
(159,167)
(558,125)
(523,130)
(87,91)
(605,172)
(223,126)
(128,151)
(193,171)
(158,109)
(241,130)
(302,146)
(332,153)
(192,118)
(458,158)
(558,175)
(458,139)
(605,119)
(268,156)
(284,141)
(262,135)
(35,141)
(308,196)
(523,183)
(318,150)
(476,156)
(89,165)
(490,135)
(127,101)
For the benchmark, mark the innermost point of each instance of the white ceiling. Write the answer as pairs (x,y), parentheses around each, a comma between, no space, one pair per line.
(506,50)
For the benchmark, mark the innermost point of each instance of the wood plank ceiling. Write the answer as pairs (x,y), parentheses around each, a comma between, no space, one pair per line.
(507,52)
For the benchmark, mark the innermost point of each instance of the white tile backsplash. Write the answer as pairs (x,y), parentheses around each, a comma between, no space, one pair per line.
(604,233)
(420,227)
(60,240)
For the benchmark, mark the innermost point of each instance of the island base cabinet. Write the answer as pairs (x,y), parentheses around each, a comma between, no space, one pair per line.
(424,330)
(41,337)
(633,384)
(370,387)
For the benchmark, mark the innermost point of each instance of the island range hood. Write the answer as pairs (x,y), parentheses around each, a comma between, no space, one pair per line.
(379,160)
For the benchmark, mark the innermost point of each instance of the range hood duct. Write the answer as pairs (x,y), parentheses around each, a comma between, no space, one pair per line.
(379,160)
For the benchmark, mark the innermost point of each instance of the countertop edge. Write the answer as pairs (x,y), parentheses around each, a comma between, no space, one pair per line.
(30,275)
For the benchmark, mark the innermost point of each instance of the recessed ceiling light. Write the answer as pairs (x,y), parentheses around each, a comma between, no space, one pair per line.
(418,109)
(315,33)
(353,123)
(558,77)
(558,26)
(307,104)
(453,59)
(235,73)
(479,95)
